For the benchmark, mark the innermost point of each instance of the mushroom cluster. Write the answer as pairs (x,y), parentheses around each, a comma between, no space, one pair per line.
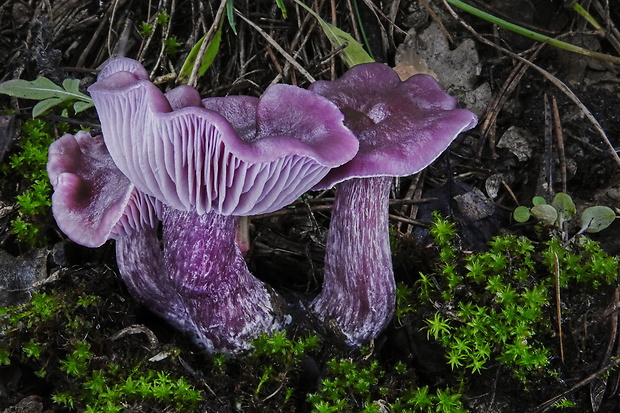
(173,158)
(191,167)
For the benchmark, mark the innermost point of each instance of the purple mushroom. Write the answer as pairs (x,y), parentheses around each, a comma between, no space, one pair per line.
(93,202)
(402,127)
(203,169)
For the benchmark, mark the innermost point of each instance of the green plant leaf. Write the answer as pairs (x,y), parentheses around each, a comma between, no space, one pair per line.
(72,85)
(596,218)
(353,52)
(546,214)
(521,214)
(207,60)
(565,207)
(44,105)
(80,106)
(532,34)
(47,92)
(230,14)
(282,7)
(538,200)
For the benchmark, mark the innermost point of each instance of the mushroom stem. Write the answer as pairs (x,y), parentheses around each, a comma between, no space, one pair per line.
(358,295)
(141,265)
(229,306)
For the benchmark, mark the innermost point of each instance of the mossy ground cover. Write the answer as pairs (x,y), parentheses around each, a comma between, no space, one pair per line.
(85,345)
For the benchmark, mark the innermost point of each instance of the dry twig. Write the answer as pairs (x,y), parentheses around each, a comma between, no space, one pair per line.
(279,48)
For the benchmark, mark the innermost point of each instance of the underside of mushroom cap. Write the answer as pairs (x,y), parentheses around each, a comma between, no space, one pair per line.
(256,156)
(402,126)
(92,200)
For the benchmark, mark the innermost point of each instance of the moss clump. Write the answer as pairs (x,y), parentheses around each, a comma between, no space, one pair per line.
(499,308)
(68,339)
(25,172)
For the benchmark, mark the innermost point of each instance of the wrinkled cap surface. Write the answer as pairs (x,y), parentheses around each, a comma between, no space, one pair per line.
(92,200)
(402,127)
(254,156)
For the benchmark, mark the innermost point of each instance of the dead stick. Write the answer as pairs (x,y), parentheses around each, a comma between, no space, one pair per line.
(558,302)
(279,48)
(548,146)
(557,127)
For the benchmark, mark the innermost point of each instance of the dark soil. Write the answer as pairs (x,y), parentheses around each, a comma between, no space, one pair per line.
(70,38)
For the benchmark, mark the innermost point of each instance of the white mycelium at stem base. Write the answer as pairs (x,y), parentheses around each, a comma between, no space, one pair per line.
(226,303)
(359,289)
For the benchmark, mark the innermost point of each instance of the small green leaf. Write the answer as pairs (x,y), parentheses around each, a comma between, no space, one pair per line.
(596,218)
(207,60)
(282,7)
(45,105)
(80,106)
(546,214)
(39,89)
(230,13)
(47,92)
(538,200)
(521,214)
(353,52)
(72,85)
(565,206)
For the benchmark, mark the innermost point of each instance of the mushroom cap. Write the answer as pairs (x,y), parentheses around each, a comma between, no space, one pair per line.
(402,127)
(92,200)
(254,156)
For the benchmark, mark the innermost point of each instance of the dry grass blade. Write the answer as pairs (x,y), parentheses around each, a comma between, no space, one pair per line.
(414,193)
(548,134)
(279,48)
(613,34)
(166,33)
(104,21)
(557,82)
(436,19)
(557,128)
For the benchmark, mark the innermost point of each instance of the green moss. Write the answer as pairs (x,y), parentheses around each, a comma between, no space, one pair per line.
(495,306)
(26,167)
(63,337)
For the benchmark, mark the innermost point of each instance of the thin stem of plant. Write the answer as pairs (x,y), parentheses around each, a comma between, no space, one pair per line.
(549,403)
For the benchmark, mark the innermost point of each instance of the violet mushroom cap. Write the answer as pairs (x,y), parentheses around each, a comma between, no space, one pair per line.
(257,156)
(93,202)
(402,126)
(206,168)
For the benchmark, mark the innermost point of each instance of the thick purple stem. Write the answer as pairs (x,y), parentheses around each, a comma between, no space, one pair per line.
(229,306)
(358,294)
(141,265)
